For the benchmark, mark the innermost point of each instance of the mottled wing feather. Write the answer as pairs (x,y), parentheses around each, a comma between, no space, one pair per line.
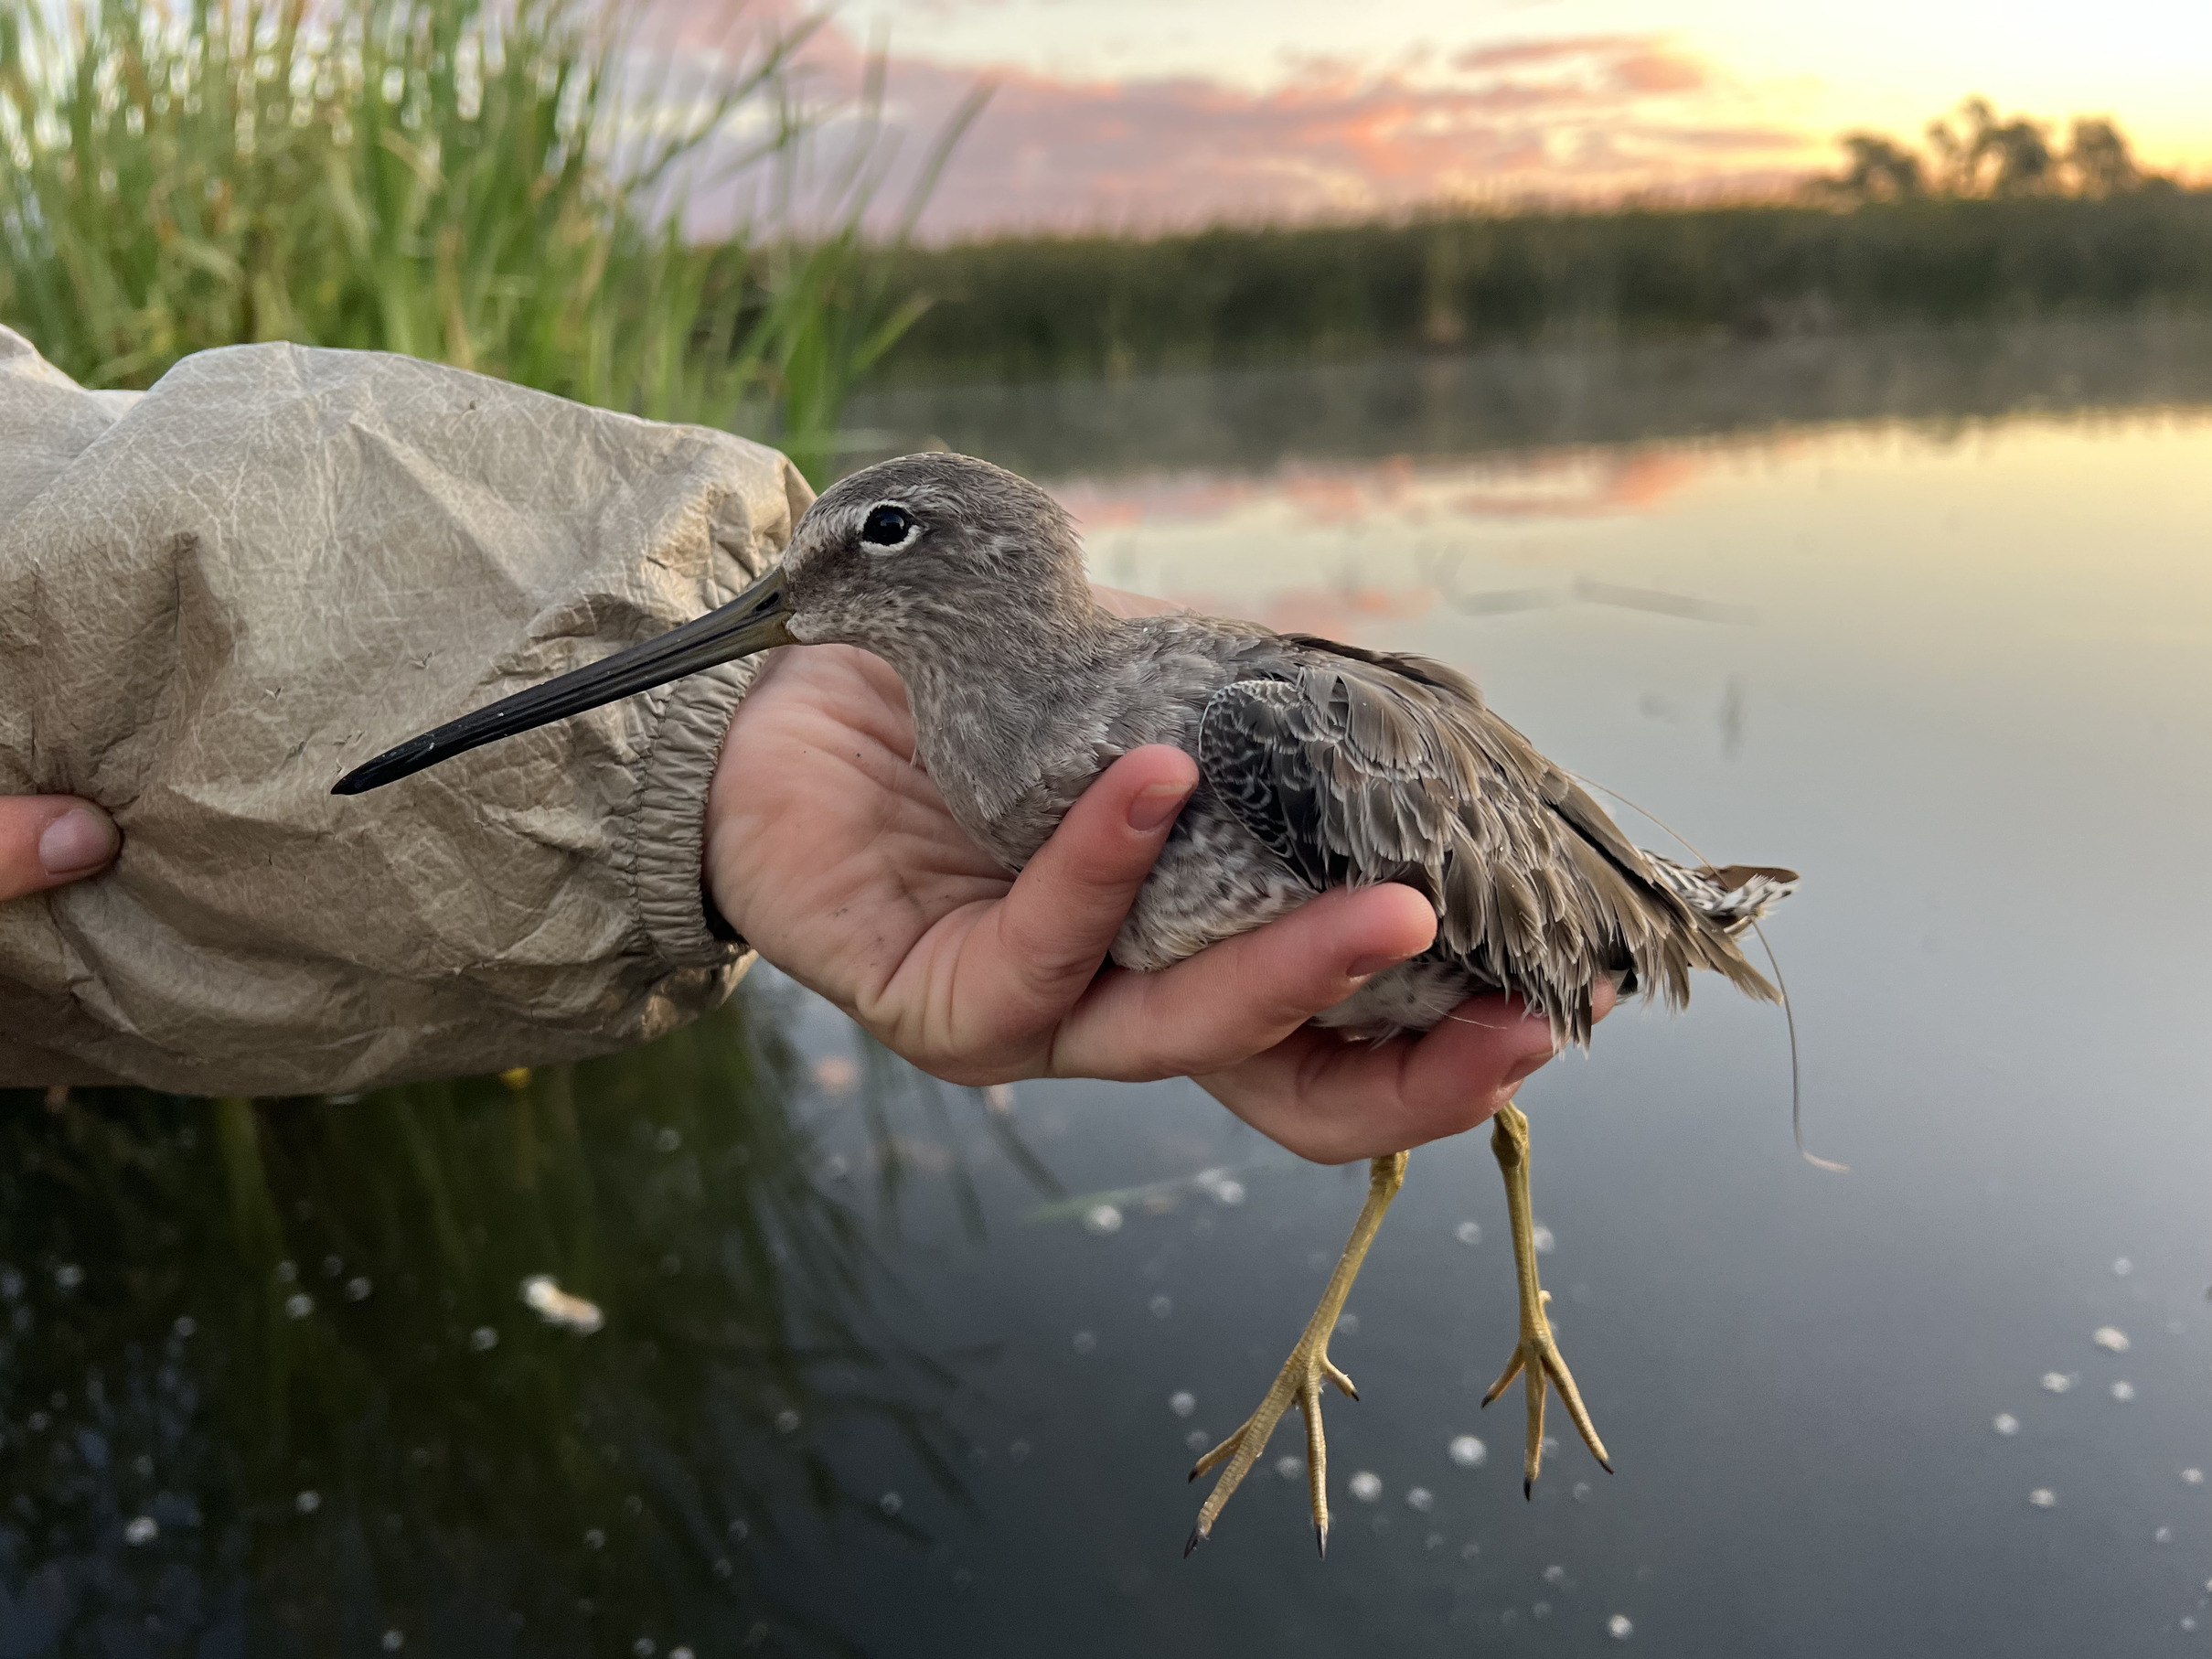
(1358,766)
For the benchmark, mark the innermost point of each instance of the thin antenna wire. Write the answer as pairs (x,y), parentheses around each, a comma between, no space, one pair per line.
(1797,1098)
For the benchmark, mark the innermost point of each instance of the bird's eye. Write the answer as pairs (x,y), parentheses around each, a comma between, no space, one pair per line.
(888,526)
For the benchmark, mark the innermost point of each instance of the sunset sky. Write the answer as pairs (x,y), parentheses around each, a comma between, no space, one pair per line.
(1146,114)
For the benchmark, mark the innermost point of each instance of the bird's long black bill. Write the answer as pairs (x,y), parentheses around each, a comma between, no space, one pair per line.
(751,622)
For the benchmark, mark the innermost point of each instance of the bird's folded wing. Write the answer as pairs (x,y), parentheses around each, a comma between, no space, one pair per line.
(1358,767)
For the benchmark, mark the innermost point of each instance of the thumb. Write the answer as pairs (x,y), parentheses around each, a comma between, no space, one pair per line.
(47,839)
(1056,925)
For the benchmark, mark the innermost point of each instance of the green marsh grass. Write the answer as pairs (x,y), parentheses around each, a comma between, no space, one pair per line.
(495,188)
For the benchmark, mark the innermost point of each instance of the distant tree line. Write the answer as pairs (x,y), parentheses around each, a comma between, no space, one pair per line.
(1044,307)
(1974,154)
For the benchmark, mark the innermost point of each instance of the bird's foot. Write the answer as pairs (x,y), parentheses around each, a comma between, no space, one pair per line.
(1299,1381)
(1536,1356)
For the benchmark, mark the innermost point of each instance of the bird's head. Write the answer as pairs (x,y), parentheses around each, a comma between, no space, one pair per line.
(927,552)
(924,550)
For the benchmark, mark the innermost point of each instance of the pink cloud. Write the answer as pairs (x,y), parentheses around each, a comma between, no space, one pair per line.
(1585,115)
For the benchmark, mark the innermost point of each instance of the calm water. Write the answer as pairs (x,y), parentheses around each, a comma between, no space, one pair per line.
(906,1369)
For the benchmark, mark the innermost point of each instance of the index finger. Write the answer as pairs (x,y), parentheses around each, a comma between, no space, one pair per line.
(1334,1101)
(47,839)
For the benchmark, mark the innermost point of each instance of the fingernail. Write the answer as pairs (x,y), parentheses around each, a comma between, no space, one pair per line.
(1156,805)
(76,841)
(1524,1069)
(1367,967)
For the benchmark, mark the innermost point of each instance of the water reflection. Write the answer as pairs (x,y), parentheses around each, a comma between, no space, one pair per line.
(280,1374)
(1536,397)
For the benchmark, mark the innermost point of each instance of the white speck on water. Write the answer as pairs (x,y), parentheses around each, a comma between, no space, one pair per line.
(668,1141)
(1348,1324)
(1421,1500)
(1468,1232)
(891,1502)
(1542,1610)
(1543,1240)
(2123,1391)
(286,1271)
(2006,1423)
(1161,1306)
(1469,1452)
(1198,1439)
(69,1275)
(1580,1492)
(308,1502)
(357,1290)
(2188,1624)
(2110,1338)
(679,1652)
(186,1324)
(298,1305)
(1228,1192)
(740,1530)
(1366,1486)
(142,1529)
(1085,1341)
(2122,1266)
(1182,1403)
(332,1267)
(1470,1550)
(1102,1219)
(999,1100)
(1434,1541)
(1554,1574)
(546,1299)
(1019,1451)
(595,1540)
(1289,1468)
(1620,1628)
(11,1284)
(2192,1477)
(484,1339)
(2057,1382)
(787,1421)
(835,1074)
(643,1647)
(2165,1534)
(394,1641)
(2043,1497)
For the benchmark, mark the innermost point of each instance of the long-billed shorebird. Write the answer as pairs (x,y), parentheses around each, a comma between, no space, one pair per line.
(1320,766)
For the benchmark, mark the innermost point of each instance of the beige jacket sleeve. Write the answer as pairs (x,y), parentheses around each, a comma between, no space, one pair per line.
(218,596)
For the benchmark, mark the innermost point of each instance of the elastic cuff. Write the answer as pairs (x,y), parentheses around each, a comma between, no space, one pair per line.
(668,829)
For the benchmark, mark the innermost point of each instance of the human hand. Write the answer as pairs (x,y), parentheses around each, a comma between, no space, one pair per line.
(832,852)
(49,840)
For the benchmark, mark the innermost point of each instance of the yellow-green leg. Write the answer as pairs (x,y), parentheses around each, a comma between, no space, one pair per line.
(1301,1375)
(1536,1355)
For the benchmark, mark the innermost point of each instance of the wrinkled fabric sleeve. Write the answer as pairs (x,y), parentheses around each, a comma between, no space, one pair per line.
(218,596)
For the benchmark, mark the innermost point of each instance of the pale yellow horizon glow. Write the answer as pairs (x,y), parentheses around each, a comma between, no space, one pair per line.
(1885,65)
